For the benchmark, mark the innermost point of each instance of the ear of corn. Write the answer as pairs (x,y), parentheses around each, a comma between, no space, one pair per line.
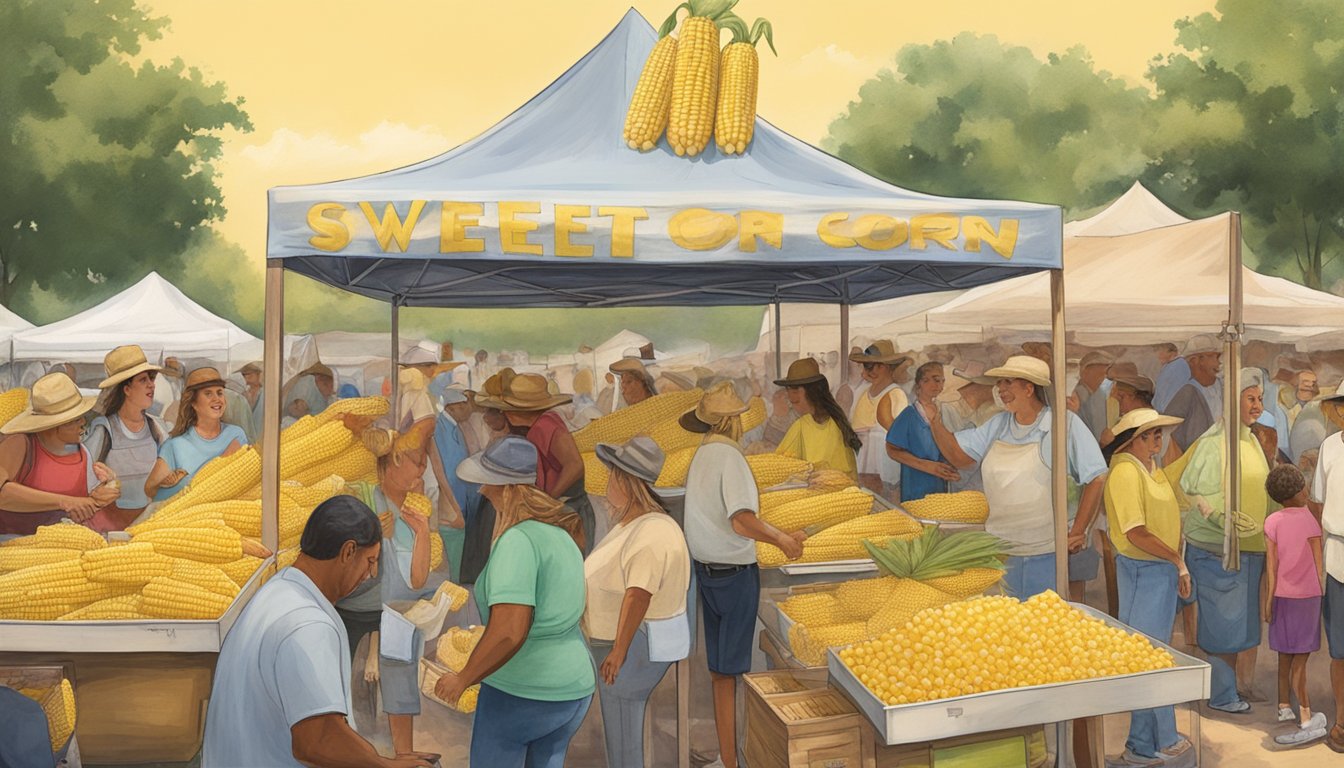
(457,596)
(12,403)
(646,117)
(960,507)
(61,536)
(241,570)
(908,598)
(821,510)
(353,464)
(169,598)
(321,445)
(859,599)
(205,576)
(812,609)
(829,480)
(809,644)
(371,406)
(675,467)
(735,116)
(637,419)
(695,84)
(595,474)
(131,564)
(46,592)
(967,583)
(119,607)
(467,704)
(18,558)
(672,438)
(773,468)
(455,646)
(58,704)
(844,541)
(755,415)
(211,542)
(932,554)
(286,557)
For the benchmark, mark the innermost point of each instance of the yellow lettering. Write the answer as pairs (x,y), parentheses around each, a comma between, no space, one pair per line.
(700,229)
(880,233)
(513,231)
(390,226)
(763,224)
(977,229)
(565,225)
(829,231)
(453,223)
(623,228)
(325,220)
(941,228)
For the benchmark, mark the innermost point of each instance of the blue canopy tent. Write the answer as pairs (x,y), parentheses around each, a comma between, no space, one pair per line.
(549,208)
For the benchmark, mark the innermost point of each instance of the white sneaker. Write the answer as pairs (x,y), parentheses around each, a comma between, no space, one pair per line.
(1310,731)
(1287,715)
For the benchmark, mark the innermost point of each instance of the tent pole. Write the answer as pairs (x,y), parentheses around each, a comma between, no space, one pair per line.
(844,343)
(396,355)
(1059,493)
(1232,394)
(779,352)
(273,336)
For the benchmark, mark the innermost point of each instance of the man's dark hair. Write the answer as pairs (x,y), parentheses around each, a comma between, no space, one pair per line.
(1284,482)
(336,521)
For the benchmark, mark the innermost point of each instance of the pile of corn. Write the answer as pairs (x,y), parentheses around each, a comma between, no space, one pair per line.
(12,403)
(455,647)
(691,89)
(962,507)
(844,541)
(58,703)
(814,511)
(656,417)
(993,643)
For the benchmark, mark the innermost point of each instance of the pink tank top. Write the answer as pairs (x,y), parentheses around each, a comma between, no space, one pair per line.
(541,434)
(66,475)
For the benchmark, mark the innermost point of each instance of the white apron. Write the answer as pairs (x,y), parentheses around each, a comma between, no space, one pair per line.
(872,458)
(1017,487)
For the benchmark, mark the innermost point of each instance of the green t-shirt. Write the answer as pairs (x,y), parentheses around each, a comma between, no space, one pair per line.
(539,565)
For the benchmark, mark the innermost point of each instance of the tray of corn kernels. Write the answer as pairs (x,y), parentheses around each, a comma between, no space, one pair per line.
(993,662)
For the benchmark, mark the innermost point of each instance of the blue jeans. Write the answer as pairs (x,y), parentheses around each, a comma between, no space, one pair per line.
(1030,575)
(513,732)
(1148,604)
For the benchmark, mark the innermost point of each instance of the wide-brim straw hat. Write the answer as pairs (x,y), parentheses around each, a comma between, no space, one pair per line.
(124,363)
(510,460)
(1026,367)
(640,457)
(199,378)
(53,401)
(1141,420)
(318,369)
(802,371)
(718,403)
(880,351)
(526,392)
(1127,373)
(628,365)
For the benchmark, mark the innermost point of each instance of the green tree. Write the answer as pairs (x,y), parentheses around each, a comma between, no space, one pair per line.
(974,117)
(107,161)
(1250,118)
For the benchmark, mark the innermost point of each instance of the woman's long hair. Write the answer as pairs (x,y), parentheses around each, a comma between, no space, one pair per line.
(637,492)
(528,502)
(823,404)
(186,412)
(729,427)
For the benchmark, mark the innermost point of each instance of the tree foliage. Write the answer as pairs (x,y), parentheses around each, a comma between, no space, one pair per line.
(107,161)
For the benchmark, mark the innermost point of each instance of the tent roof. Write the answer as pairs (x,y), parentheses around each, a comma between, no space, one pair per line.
(10,323)
(1138,210)
(1111,296)
(564,147)
(152,313)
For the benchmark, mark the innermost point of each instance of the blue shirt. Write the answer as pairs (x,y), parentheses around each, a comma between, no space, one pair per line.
(1085,462)
(910,432)
(190,451)
(1169,381)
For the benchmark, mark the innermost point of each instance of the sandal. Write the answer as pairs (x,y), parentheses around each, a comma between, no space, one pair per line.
(1335,739)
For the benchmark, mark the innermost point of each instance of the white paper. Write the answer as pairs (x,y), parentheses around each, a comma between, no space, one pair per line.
(396,636)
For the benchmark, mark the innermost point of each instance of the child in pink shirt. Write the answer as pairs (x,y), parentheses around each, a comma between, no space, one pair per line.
(1292,599)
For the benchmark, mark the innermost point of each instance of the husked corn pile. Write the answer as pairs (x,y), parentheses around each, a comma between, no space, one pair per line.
(817,510)
(844,541)
(58,703)
(960,507)
(637,419)
(994,643)
(772,468)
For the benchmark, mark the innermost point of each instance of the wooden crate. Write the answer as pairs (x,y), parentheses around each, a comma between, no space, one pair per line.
(795,720)
(1012,748)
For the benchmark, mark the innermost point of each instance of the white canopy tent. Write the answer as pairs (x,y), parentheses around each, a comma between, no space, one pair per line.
(153,313)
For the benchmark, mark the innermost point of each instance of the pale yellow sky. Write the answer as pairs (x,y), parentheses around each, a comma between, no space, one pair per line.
(340,88)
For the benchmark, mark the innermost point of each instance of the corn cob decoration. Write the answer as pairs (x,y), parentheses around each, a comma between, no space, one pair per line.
(695,75)
(637,419)
(169,598)
(646,118)
(735,115)
(819,511)
(962,507)
(12,403)
(845,540)
(315,448)
(773,468)
(113,608)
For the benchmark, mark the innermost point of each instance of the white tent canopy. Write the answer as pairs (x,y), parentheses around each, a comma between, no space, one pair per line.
(153,313)
(11,324)
(1138,210)
(811,328)
(1113,296)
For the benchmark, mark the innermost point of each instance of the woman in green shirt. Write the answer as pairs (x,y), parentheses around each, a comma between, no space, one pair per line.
(536,676)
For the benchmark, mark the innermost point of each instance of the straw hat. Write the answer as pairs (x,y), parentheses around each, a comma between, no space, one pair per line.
(801,371)
(1141,420)
(55,400)
(199,378)
(1026,367)
(640,457)
(526,392)
(1126,372)
(1201,343)
(677,378)
(125,363)
(1040,350)
(510,460)
(880,351)
(318,369)
(718,403)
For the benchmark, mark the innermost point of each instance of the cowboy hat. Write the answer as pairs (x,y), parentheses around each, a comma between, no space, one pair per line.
(510,460)
(718,403)
(880,351)
(125,363)
(1026,367)
(1127,373)
(801,371)
(640,457)
(54,400)
(526,392)
(1140,420)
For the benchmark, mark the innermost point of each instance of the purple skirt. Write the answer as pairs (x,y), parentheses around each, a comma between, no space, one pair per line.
(1295,626)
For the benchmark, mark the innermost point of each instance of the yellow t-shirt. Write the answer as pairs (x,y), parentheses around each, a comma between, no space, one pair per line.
(649,552)
(820,444)
(1134,496)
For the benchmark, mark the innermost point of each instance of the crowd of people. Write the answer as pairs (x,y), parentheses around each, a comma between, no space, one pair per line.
(580,595)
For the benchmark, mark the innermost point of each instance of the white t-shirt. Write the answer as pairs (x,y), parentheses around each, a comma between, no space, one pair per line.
(285,660)
(1327,489)
(719,484)
(650,553)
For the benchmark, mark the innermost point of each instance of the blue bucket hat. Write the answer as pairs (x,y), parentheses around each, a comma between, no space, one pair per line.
(511,460)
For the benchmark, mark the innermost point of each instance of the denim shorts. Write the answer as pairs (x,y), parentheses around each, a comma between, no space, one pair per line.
(729,598)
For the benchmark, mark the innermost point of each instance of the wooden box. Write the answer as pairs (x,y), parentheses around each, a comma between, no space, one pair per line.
(1012,748)
(795,720)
